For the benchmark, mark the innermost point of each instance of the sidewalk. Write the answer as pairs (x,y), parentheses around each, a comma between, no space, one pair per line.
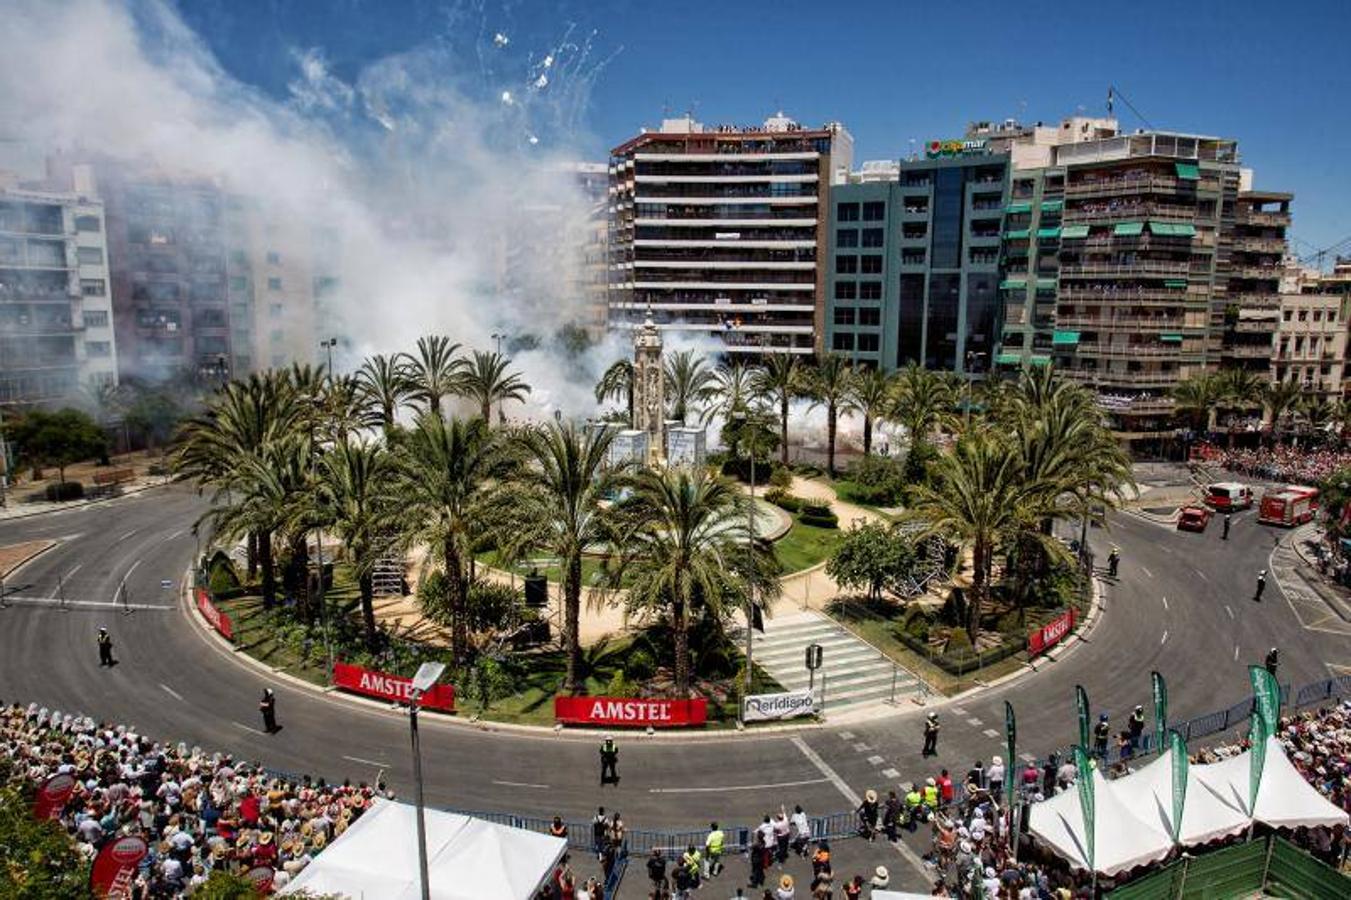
(1303,566)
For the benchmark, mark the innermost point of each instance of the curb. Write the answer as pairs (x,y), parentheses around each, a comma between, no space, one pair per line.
(18,568)
(78,504)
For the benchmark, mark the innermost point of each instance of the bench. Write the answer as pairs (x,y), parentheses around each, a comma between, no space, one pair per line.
(108,484)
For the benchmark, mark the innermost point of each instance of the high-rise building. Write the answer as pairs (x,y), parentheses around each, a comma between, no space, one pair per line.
(56,327)
(914,262)
(720,231)
(1253,304)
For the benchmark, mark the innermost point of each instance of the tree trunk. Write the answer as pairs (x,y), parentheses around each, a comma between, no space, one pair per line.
(300,577)
(867,435)
(366,585)
(572,602)
(830,439)
(458,589)
(251,553)
(629,393)
(682,649)
(783,429)
(486,409)
(268,570)
(980,554)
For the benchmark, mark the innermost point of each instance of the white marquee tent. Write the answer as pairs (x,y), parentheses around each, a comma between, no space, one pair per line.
(466,858)
(1284,798)
(1122,839)
(1207,814)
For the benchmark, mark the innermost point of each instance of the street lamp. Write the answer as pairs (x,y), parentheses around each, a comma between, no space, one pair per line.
(497,336)
(426,676)
(971,356)
(747,422)
(328,344)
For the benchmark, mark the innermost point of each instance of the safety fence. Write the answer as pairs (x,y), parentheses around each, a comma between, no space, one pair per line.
(1271,868)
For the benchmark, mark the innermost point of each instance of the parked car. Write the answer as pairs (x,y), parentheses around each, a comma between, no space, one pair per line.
(1193,518)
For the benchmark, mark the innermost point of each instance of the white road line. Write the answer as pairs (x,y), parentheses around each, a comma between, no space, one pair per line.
(959,711)
(973,722)
(127,535)
(176,534)
(831,775)
(1164,639)
(846,735)
(1202,575)
(171,692)
(1236,653)
(247,728)
(861,747)
(1228,610)
(132,569)
(1165,602)
(876,760)
(893,774)
(72,572)
(734,787)
(380,765)
(93,604)
(990,732)
(1147,572)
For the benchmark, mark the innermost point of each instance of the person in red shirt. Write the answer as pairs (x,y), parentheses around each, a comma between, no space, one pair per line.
(249,808)
(946,791)
(265,854)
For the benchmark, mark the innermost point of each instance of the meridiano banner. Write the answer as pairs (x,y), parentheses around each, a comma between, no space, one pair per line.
(770,707)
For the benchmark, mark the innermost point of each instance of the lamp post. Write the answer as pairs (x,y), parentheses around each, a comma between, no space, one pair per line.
(426,676)
(328,344)
(971,356)
(497,337)
(747,422)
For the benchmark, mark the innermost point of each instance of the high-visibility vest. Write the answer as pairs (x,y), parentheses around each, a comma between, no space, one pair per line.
(913,799)
(692,861)
(714,842)
(931,796)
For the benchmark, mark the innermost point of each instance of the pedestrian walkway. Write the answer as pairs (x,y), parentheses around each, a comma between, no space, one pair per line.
(856,675)
(1320,604)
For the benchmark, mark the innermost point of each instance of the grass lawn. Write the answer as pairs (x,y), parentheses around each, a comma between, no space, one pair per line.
(256,634)
(844,490)
(806,545)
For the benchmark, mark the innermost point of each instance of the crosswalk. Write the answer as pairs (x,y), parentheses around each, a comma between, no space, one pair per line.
(856,676)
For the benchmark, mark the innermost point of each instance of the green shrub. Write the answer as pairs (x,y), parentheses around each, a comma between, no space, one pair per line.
(620,686)
(784,500)
(819,515)
(1010,623)
(715,662)
(781,477)
(875,480)
(491,605)
(70,490)
(959,642)
(640,665)
(433,596)
(918,461)
(222,578)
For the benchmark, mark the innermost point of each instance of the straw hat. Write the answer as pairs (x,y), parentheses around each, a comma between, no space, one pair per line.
(340,827)
(265,838)
(318,841)
(306,828)
(870,796)
(786,882)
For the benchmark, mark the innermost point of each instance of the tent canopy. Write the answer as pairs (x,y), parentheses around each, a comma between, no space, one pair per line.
(1122,839)
(1206,814)
(466,858)
(1284,798)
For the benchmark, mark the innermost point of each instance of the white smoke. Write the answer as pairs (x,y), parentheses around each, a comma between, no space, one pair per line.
(440,172)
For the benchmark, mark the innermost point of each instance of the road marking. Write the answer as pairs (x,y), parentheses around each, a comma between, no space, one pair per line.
(973,722)
(861,747)
(1164,639)
(171,692)
(990,732)
(95,604)
(132,569)
(1165,602)
(734,787)
(176,534)
(1228,610)
(831,775)
(1027,757)
(382,765)
(127,535)
(1147,572)
(876,760)
(247,728)
(72,572)
(1236,653)
(890,773)
(1202,575)
(959,711)
(846,735)
(70,537)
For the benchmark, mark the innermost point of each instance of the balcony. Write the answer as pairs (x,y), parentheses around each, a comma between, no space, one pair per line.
(1259,245)
(1265,273)
(1140,268)
(1170,212)
(1100,378)
(1253,351)
(699,264)
(1257,217)
(1255,301)
(1143,405)
(1134,351)
(1124,323)
(1127,297)
(741,222)
(1118,187)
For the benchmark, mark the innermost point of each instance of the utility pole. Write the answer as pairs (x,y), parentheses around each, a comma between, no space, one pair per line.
(328,344)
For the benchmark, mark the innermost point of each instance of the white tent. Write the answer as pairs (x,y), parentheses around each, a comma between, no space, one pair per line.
(1207,814)
(1122,839)
(1284,798)
(467,858)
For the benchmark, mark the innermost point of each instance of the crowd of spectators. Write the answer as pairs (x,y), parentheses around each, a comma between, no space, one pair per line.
(198,812)
(1286,463)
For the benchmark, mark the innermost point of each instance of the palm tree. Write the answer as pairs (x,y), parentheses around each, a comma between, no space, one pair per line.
(828,384)
(341,410)
(433,373)
(1280,398)
(447,470)
(779,381)
(559,510)
(1195,399)
(384,390)
(617,384)
(872,395)
(684,555)
(1239,390)
(689,382)
(924,402)
(486,381)
(731,390)
(356,500)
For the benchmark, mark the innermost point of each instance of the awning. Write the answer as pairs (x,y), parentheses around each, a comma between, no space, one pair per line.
(1008,359)
(1065,337)
(1049,233)
(1038,359)
(1175,283)
(1128,228)
(1018,234)
(1045,284)
(1184,229)
(1018,208)
(1188,171)
(1052,205)
(1161,228)
(1074,231)
(1171,338)
(1012,284)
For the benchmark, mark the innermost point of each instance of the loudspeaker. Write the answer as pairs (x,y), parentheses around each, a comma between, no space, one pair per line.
(536,591)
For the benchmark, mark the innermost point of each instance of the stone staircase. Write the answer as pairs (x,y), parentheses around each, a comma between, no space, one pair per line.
(856,675)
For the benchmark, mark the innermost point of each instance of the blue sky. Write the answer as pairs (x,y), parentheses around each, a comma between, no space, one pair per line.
(1273,75)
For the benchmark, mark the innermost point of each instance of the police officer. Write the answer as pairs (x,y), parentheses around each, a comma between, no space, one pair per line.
(1273,660)
(1261,585)
(931,735)
(609,761)
(713,847)
(1137,727)
(1225,536)
(105,648)
(1113,561)
(1101,732)
(268,707)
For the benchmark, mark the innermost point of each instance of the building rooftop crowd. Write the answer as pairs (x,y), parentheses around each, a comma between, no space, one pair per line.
(198,811)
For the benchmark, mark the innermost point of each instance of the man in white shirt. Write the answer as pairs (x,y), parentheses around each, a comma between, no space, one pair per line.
(802,831)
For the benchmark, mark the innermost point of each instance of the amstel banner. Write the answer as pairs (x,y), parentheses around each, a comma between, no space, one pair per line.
(114,873)
(1050,634)
(52,797)
(214,617)
(391,687)
(630,712)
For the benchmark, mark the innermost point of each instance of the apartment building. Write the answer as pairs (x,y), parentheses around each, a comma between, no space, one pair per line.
(914,261)
(1254,305)
(56,327)
(720,231)
(1310,341)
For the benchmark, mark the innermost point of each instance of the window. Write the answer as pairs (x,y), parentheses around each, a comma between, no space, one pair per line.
(96,318)
(1285,315)
(1303,314)
(847,212)
(842,341)
(872,237)
(846,237)
(274,310)
(87,223)
(275,335)
(93,287)
(870,290)
(98,348)
(274,284)
(845,290)
(1318,315)
(846,265)
(875,211)
(89,256)
(273,258)
(238,283)
(872,264)
(869,316)
(867,343)
(844,315)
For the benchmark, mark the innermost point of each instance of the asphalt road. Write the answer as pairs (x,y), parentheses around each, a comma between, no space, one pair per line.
(1182,605)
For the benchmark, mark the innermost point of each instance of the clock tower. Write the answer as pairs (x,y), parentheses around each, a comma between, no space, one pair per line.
(649,390)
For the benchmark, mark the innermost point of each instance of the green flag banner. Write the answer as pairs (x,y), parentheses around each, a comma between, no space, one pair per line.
(1257,758)
(1178,748)
(1267,695)
(1084,783)
(1081,701)
(1160,709)
(1011,733)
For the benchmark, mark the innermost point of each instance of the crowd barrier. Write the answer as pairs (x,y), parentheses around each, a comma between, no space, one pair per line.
(1267,868)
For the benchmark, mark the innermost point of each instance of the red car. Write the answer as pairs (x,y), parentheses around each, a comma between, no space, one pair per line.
(1193,518)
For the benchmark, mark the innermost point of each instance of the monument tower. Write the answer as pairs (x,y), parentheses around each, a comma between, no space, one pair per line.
(649,389)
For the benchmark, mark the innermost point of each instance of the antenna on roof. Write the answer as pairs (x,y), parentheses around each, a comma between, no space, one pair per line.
(1114,91)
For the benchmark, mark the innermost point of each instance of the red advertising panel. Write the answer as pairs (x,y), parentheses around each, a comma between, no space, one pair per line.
(114,872)
(629,712)
(217,619)
(391,687)
(52,796)
(1050,634)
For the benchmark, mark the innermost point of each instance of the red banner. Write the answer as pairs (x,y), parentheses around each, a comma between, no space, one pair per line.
(114,872)
(391,687)
(52,796)
(217,619)
(628,712)
(1050,634)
